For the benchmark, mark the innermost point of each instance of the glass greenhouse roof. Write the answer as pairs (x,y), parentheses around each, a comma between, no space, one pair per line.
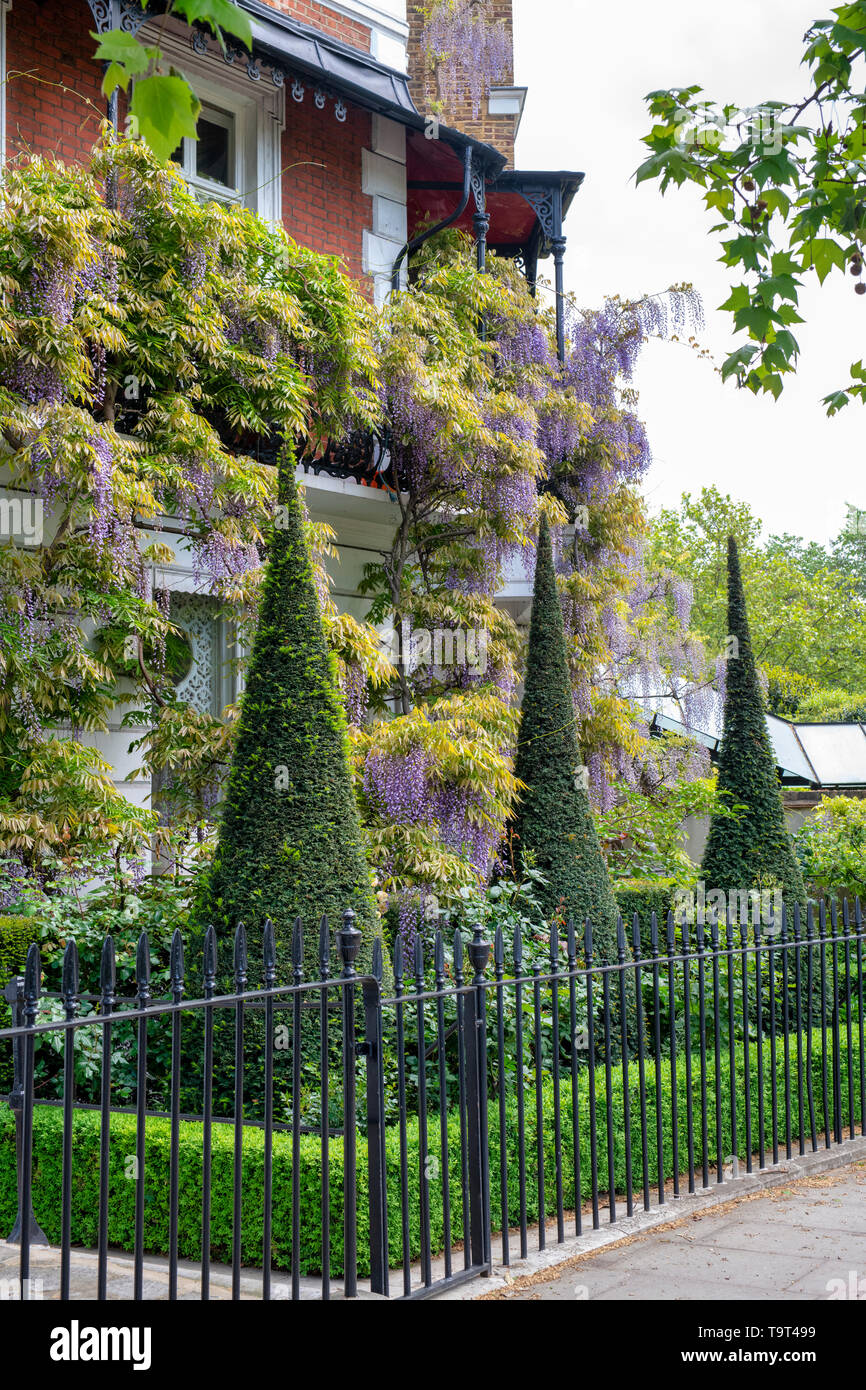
(817,755)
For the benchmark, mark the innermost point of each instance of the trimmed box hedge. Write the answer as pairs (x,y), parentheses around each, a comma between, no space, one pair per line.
(47,1132)
(646,896)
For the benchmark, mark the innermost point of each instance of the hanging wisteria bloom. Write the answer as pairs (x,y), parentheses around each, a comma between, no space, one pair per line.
(470,49)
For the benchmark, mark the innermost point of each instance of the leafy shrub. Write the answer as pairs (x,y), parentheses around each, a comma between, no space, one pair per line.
(833,707)
(504,1149)
(553,818)
(16,934)
(646,896)
(787,691)
(831,846)
(289,834)
(754,850)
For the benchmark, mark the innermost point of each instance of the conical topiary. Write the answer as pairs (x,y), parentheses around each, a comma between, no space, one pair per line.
(289,840)
(553,822)
(754,850)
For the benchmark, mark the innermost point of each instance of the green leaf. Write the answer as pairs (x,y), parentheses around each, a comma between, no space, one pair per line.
(739,298)
(835,401)
(777,201)
(744,249)
(115,76)
(824,253)
(720,198)
(772,382)
(755,319)
(218,15)
(777,287)
(787,342)
(166,109)
(116,46)
(738,361)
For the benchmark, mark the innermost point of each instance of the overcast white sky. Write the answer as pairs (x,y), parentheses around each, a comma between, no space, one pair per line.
(588,67)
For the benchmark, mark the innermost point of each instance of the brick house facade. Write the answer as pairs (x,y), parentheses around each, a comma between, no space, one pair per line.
(321,134)
(54,107)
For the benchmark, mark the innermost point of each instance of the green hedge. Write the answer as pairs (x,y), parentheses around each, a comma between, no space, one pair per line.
(47,1164)
(16,934)
(646,896)
(47,1173)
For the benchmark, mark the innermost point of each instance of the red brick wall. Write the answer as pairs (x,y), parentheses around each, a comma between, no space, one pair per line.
(323,207)
(48,113)
(499,131)
(51,79)
(339,26)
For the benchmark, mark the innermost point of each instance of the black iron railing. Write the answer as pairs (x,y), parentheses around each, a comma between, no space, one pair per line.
(451,1108)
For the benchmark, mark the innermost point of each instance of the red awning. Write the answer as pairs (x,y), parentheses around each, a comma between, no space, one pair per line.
(434,174)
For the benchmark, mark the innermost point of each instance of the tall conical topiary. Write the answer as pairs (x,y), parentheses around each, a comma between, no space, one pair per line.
(753,851)
(289,840)
(554,819)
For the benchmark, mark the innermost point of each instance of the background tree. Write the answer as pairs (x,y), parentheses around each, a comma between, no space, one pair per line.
(831,846)
(786,183)
(753,851)
(807,615)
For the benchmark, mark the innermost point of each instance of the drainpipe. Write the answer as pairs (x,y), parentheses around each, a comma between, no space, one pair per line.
(440,226)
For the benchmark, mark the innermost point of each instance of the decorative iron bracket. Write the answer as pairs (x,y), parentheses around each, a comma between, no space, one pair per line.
(546,202)
(117,14)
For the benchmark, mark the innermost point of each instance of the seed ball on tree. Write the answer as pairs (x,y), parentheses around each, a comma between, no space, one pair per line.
(860,289)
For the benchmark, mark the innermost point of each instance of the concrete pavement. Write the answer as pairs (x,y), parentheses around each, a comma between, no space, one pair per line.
(802,1240)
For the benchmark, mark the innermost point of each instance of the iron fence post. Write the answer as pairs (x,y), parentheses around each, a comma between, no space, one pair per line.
(376,1172)
(476,1105)
(14,995)
(348,945)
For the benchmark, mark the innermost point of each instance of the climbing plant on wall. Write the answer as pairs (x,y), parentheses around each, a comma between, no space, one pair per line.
(140,346)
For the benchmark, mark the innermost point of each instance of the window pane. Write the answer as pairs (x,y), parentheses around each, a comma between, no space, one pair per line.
(213,153)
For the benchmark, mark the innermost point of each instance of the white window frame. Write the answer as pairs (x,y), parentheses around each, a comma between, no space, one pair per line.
(258,108)
(234,122)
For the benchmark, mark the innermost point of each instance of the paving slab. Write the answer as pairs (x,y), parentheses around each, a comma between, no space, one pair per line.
(800,1240)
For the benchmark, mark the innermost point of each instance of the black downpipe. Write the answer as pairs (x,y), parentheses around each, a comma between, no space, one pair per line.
(440,226)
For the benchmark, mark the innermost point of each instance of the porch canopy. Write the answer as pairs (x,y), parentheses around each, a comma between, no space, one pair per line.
(516,213)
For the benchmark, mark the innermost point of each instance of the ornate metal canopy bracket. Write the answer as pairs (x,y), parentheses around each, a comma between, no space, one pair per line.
(117,14)
(546,202)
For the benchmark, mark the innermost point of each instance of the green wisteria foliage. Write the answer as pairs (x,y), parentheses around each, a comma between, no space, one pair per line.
(142,347)
(149,345)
